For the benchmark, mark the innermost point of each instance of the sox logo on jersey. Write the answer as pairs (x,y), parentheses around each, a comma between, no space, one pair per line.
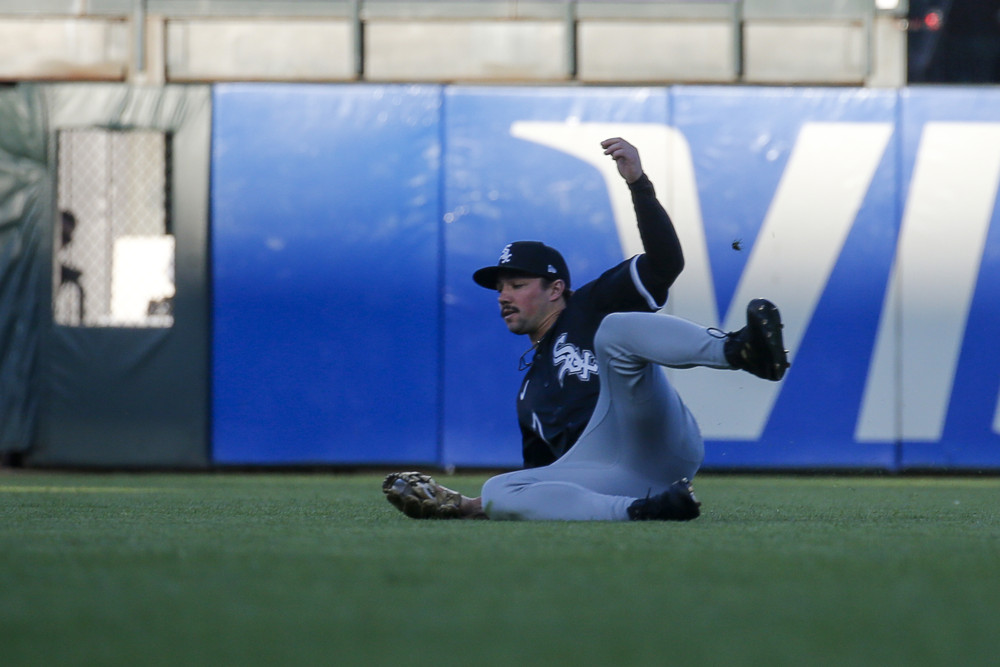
(572,361)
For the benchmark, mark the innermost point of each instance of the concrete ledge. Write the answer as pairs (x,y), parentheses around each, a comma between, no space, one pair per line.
(63,49)
(462,9)
(481,50)
(805,52)
(506,41)
(671,9)
(251,49)
(657,51)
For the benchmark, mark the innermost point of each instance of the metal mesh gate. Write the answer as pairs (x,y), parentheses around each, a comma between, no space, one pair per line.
(114,250)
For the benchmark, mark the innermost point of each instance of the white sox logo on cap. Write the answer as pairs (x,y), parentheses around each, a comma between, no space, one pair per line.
(532,258)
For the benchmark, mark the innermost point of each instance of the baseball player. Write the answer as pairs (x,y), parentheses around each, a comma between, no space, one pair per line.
(604,434)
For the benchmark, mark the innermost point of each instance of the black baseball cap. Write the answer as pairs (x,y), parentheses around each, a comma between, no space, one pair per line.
(532,258)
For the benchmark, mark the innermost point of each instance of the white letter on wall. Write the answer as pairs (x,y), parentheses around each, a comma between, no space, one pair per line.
(940,248)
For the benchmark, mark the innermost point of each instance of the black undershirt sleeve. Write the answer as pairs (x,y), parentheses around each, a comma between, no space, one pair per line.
(664,259)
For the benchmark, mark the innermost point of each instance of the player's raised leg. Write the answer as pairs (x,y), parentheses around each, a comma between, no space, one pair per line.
(642,446)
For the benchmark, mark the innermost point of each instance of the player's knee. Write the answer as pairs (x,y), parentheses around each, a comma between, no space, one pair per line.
(612,332)
(499,497)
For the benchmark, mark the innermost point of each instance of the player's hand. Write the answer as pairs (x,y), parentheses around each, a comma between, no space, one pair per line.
(625,156)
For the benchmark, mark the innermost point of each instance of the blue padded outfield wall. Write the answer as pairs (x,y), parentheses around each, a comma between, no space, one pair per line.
(347,220)
(326,260)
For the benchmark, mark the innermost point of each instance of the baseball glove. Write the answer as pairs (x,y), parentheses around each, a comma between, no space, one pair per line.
(418,496)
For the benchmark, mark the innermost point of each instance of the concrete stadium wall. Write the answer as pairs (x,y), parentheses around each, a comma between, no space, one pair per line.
(347,219)
(445,41)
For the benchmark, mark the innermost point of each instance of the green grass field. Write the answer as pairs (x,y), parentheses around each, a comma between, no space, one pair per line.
(317,569)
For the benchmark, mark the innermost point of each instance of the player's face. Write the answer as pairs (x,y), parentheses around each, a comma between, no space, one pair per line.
(526,302)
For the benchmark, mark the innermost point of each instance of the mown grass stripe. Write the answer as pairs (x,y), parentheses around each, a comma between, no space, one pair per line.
(79,489)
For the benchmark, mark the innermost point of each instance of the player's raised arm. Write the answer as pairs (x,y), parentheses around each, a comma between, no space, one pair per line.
(626,157)
(663,260)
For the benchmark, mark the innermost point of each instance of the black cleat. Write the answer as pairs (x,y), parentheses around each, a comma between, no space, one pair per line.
(758,348)
(677,503)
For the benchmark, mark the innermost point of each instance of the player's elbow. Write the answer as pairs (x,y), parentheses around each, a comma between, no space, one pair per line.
(673,268)
(678,264)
